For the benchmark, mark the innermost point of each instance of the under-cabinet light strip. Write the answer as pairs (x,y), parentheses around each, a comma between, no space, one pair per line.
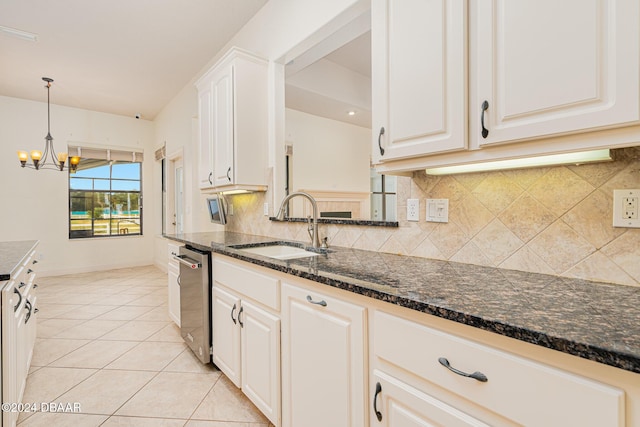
(19,34)
(528,162)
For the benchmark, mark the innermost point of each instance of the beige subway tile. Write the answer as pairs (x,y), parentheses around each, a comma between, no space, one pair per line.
(526,260)
(496,192)
(560,247)
(625,252)
(560,189)
(497,242)
(526,217)
(598,267)
(470,215)
(591,218)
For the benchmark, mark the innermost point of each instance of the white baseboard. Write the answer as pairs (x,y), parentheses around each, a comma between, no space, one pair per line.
(92,268)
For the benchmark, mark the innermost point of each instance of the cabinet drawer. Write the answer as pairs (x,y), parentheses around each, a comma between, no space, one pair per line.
(259,287)
(516,388)
(173,249)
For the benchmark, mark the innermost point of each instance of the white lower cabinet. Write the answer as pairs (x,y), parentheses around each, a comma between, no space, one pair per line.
(474,380)
(173,284)
(246,332)
(226,333)
(324,373)
(260,344)
(397,404)
(19,319)
(308,355)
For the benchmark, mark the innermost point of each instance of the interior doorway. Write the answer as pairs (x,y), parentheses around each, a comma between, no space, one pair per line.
(175,194)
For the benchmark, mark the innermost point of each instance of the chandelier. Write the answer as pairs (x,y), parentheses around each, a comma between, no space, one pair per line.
(48,159)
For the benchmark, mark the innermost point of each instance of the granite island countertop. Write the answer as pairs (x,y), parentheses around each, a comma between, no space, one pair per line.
(593,320)
(11,256)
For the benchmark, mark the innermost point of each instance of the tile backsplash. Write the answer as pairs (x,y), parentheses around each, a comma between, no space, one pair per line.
(554,220)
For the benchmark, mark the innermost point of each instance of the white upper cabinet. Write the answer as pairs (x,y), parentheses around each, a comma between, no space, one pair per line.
(458,81)
(223,142)
(548,67)
(419,77)
(233,113)
(205,165)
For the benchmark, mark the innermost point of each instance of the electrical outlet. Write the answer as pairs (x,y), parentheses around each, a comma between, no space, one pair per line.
(625,208)
(265,209)
(413,210)
(630,208)
(437,210)
(230,208)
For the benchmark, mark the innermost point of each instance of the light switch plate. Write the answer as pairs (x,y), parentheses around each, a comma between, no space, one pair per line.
(413,209)
(625,208)
(437,210)
(265,209)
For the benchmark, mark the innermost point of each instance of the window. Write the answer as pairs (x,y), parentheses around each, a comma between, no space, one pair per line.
(105,199)
(383,197)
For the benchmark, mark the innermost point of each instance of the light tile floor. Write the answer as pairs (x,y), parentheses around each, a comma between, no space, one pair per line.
(105,342)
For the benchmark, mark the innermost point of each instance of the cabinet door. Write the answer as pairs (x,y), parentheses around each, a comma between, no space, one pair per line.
(223,132)
(261,359)
(396,404)
(549,67)
(419,77)
(205,170)
(226,333)
(173,279)
(13,347)
(323,360)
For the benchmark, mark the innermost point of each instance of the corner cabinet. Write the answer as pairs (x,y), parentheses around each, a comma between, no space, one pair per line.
(458,81)
(233,123)
(323,354)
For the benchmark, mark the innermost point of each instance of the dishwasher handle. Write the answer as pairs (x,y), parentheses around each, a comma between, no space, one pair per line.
(185,260)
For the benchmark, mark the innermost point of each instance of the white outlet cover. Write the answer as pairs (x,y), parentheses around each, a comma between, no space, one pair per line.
(413,209)
(437,210)
(621,208)
(265,208)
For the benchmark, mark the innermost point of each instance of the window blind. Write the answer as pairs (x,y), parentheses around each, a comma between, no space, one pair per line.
(106,154)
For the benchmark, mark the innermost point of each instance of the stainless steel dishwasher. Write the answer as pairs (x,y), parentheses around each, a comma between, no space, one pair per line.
(195,300)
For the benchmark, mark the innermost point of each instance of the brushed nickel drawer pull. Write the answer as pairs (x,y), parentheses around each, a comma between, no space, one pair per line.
(476,375)
(322,302)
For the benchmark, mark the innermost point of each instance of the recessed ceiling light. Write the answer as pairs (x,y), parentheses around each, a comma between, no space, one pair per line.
(351,113)
(19,34)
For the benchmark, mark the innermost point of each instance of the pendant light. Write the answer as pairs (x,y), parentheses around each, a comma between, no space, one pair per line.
(48,159)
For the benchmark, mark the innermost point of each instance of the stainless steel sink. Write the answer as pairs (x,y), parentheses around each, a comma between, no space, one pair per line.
(277,250)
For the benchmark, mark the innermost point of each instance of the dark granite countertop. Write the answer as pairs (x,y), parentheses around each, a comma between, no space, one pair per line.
(342,221)
(12,254)
(592,320)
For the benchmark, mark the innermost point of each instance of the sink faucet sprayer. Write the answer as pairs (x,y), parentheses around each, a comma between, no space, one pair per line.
(313,227)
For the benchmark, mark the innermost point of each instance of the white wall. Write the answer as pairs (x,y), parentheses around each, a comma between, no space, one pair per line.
(328,154)
(281,29)
(35,203)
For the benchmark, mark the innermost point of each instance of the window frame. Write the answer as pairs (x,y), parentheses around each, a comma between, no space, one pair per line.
(110,191)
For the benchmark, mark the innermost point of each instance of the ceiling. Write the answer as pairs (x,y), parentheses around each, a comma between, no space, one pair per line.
(119,56)
(334,84)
